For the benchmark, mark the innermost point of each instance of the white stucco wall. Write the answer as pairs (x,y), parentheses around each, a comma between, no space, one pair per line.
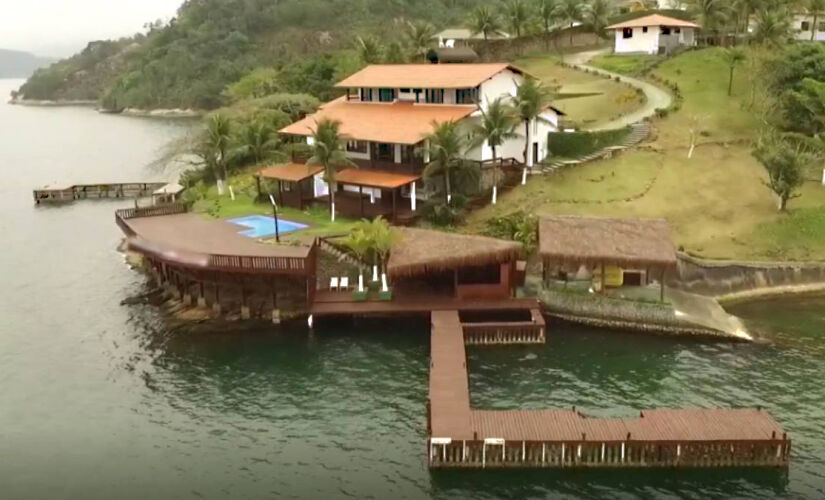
(796,25)
(640,42)
(501,84)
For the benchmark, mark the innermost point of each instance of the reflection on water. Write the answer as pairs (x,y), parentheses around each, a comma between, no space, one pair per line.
(99,400)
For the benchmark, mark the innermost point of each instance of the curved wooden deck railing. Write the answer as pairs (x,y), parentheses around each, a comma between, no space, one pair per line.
(213,262)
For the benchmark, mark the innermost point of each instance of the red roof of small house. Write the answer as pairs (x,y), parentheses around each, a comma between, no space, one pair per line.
(397,122)
(290,172)
(372,178)
(443,76)
(654,20)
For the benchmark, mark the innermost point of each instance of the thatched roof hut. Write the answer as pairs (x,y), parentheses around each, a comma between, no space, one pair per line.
(423,251)
(565,239)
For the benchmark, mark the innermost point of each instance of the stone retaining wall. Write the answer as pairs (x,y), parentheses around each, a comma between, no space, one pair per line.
(741,279)
(604,312)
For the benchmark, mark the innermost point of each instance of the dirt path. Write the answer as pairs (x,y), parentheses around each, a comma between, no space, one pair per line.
(656,97)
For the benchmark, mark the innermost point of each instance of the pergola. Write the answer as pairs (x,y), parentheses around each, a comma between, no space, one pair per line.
(385,181)
(294,182)
(600,241)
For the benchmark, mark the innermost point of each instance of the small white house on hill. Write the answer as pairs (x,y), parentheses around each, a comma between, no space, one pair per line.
(807,28)
(654,34)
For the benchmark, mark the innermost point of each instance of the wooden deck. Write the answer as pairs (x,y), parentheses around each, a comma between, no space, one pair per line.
(332,303)
(462,437)
(58,194)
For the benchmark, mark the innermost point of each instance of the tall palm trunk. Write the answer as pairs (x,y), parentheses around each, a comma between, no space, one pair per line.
(495,176)
(730,82)
(526,140)
(332,187)
(813,28)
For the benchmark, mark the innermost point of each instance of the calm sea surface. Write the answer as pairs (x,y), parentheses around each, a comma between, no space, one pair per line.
(99,401)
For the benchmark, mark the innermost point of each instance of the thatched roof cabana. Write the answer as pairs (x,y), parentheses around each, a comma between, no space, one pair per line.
(566,239)
(423,251)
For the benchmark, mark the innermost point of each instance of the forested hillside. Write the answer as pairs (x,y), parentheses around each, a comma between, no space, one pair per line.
(16,64)
(189,62)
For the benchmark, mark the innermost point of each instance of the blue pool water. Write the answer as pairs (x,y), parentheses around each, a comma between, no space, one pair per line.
(261,226)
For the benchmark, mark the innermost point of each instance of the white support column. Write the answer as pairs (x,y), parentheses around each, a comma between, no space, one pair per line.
(622,452)
(426,152)
(397,155)
(412,197)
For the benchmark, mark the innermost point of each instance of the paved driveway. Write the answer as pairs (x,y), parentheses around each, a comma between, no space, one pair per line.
(656,97)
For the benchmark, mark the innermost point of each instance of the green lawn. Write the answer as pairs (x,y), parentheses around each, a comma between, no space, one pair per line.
(586,98)
(316,217)
(716,201)
(624,64)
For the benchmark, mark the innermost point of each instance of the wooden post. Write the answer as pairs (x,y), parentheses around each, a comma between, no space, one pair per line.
(258,185)
(394,203)
(455,282)
(361,199)
(662,286)
(603,290)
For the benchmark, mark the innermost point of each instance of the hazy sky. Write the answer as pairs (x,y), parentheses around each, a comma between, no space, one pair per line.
(62,27)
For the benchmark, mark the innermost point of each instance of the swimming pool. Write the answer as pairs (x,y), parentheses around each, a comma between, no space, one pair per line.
(261,226)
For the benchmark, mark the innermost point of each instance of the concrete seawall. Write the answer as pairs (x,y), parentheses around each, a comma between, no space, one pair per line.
(742,280)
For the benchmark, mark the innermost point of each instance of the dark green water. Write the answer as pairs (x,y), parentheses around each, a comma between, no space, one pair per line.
(100,401)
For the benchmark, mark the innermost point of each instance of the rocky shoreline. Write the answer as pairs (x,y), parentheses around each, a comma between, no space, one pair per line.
(147,113)
(51,103)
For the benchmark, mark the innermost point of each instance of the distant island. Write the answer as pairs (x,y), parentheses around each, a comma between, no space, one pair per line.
(17,64)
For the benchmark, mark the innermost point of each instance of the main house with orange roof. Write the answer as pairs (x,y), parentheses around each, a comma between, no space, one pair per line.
(387,112)
(653,34)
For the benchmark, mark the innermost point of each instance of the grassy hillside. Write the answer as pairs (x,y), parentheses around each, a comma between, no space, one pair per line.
(715,201)
(213,43)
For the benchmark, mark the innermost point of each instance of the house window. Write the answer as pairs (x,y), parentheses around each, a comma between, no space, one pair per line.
(821,26)
(357,146)
(435,96)
(366,94)
(665,30)
(386,95)
(805,26)
(404,91)
(417,93)
(466,96)
(287,186)
(644,29)
(677,30)
(627,33)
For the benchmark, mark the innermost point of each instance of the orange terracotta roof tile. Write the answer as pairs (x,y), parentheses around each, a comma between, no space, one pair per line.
(290,172)
(399,123)
(372,178)
(654,20)
(444,76)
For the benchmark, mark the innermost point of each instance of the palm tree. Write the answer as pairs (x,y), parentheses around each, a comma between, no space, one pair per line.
(369,48)
(484,20)
(257,142)
(419,35)
(381,238)
(773,27)
(328,152)
(598,13)
(733,57)
(571,12)
(444,147)
(530,100)
(744,9)
(815,8)
(214,146)
(517,15)
(359,241)
(548,12)
(496,126)
(712,15)
(395,53)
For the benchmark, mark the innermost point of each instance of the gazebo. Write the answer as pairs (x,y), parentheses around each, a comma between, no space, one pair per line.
(468,266)
(636,248)
(294,183)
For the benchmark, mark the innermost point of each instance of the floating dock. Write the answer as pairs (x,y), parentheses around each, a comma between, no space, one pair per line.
(461,437)
(62,194)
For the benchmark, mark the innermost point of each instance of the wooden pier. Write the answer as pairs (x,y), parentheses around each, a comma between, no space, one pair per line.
(62,194)
(461,437)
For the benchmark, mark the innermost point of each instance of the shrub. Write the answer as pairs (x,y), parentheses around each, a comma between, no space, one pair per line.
(573,144)
(516,226)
